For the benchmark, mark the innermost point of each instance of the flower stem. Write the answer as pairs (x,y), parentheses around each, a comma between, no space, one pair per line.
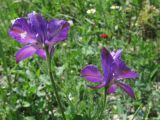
(104,104)
(137,111)
(54,84)
(105,95)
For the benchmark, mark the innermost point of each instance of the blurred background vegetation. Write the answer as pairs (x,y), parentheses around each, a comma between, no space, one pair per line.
(133,25)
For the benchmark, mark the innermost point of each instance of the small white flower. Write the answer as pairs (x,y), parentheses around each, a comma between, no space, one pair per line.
(91,11)
(115,7)
(116,27)
(116,117)
(49,112)
(70,22)
(133,18)
(34,12)
(13,21)
(70,97)
(72,71)
(64,44)
(130,117)
(88,12)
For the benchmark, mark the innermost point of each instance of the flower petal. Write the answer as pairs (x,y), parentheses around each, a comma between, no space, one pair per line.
(92,74)
(127,89)
(107,62)
(127,74)
(21,31)
(118,54)
(122,71)
(57,31)
(41,53)
(112,88)
(38,25)
(25,52)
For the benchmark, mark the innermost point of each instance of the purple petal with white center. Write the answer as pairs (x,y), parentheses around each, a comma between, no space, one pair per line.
(107,62)
(103,84)
(25,52)
(21,31)
(112,88)
(57,31)
(92,74)
(127,89)
(41,53)
(38,25)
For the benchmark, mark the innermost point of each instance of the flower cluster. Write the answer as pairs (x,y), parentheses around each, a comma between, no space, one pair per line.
(91,11)
(115,7)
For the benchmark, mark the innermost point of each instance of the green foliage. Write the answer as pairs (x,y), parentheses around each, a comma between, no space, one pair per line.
(25,89)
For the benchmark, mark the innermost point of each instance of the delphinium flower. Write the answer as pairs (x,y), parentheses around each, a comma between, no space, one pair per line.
(39,37)
(114,71)
(35,33)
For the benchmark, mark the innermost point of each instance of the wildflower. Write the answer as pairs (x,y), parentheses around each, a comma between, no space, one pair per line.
(104,35)
(116,117)
(115,7)
(91,11)
(64,44)
(36,34)
(13,21)
(116,27)
(114,70)
(70,22)
(70,97)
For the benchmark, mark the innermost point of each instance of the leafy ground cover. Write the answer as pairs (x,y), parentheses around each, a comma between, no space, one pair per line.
(134,26)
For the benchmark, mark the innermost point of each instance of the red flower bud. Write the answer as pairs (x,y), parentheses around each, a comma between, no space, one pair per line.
(104,35)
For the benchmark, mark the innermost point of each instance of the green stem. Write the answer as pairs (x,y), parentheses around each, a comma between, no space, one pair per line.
(104,103)
(54,84)
(137,111)
(105,95)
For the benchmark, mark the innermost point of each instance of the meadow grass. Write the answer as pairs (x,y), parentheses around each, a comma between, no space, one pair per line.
(25,88)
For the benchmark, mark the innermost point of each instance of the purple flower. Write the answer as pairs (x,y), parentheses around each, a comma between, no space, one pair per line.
(114,71)
(36,33)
